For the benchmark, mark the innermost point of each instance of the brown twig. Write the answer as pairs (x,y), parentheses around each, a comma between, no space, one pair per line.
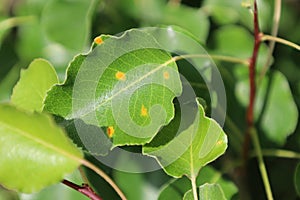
(84,189)
(252,77)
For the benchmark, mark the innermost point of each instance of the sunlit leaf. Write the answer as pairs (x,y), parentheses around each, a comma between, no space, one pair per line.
(36,152)
(30,91)
(125,84)
(195,147)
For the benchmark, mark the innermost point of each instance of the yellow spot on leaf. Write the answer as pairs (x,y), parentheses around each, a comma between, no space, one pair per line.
(120,76)
(219,142)
(98,40)
(144,111)
(166,75)
(110,131)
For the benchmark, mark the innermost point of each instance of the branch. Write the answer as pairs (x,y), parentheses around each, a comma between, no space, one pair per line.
(279,153)
(252,76)
(84,189)
(280,40)
(251,131)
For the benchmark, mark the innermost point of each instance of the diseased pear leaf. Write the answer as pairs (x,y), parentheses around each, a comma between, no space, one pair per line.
(125,84)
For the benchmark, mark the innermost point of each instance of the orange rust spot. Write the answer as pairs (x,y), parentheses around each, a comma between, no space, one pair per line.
(166,75)
(98,40)
(110,131)
(120,76)
(144,111)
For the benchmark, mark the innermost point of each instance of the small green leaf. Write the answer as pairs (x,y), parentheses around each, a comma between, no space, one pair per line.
(36,152)
(126,85)
(30,91)
(178,187)
(195,147)
(207,191)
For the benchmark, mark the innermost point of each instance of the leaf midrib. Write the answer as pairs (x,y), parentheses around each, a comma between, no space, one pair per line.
(122,90)
(42,142)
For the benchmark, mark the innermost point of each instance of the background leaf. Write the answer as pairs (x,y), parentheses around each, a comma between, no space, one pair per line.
(68,23)
(30,91)
(207,191)
(130,88)
(275,108)
(280,116)
(195,147)
(49,153)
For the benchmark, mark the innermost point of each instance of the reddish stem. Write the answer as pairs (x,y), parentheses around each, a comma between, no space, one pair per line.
(252,74)
(84,189)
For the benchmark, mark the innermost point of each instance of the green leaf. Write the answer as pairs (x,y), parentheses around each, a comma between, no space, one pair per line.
(276,125)
(195,147)
(178,187)
(207,191)
(297,179)
(125,84)
(36,152)
(275,91)
(30,91)
(68,23)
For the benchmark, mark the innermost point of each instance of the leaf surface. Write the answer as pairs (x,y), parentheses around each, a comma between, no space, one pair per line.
(36,152)
(195,147)
(30,91)
(125,84)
